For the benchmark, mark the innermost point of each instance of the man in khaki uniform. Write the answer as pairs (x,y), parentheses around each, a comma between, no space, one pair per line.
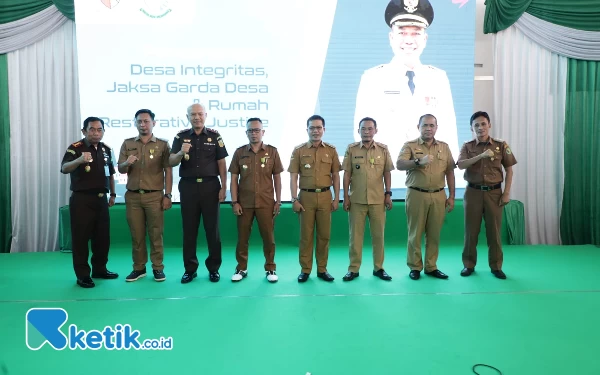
(318,165)
(367,166)
(255,170)
(145,159)
(427,162)
(483,158)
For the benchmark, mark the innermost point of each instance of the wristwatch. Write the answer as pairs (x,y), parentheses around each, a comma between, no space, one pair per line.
(294,200)
(113,195)
(417,161)
(168,196)
(388,193)
(233,203)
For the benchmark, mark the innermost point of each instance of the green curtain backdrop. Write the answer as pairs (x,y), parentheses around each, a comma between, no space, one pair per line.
(580,217)
(576,14)
(66,7)
(12,10)
(5,205)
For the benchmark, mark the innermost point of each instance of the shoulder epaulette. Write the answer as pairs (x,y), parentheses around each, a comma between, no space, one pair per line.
(381,145)
(77,144)
(181,131)
(273,147)
(212,130)
(300,146)
(328,144)
(471,141)
(442,142)
(498,140)
(107,146)
(162,139)
(353,144)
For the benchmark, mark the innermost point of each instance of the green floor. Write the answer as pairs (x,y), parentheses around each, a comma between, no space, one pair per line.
(542,320)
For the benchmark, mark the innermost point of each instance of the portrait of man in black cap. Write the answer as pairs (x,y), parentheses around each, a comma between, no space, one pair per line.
(397,93)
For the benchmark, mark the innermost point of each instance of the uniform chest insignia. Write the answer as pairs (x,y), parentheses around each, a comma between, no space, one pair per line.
(209,139)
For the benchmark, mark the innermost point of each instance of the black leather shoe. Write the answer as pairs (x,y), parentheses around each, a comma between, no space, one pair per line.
(437,274)
(499,274)
(467,271)
(350,276)
(86,282)
(382,275)
(214,277)
(105,275)
(415,275)
(159,275)
(325,276)
(303,277)
(188,277)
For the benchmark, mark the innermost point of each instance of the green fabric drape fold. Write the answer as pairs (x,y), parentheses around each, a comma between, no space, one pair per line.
(501,14)
(66,7)
(13,10)
(514,217)
(580,217)
(5,201)
(576,14)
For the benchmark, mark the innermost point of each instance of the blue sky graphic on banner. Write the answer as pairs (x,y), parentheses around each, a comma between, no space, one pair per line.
(278,60)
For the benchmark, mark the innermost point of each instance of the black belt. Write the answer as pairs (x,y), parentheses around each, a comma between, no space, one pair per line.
(425,190)
(484,187)
(142,191)
(99,195)
(200,179)
(317,190)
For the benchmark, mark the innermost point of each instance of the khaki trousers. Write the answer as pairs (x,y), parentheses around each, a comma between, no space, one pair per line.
(266,226)
(478,205)
(317,212)
(425,213)
(357,220)
(145,214)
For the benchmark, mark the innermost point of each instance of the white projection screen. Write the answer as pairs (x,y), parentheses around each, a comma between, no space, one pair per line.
(281,61)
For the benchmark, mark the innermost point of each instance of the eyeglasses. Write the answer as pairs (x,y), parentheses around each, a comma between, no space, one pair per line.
(255,131)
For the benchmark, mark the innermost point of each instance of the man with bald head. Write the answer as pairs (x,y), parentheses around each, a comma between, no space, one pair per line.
(201,153)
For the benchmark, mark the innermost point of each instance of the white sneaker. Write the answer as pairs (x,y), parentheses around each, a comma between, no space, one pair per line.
(272,276)
(239,275)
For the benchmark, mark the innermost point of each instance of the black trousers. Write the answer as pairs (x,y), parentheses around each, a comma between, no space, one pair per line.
(90,221)
(200,199)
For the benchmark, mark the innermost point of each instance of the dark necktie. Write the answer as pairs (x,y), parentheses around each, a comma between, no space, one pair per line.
(411,84)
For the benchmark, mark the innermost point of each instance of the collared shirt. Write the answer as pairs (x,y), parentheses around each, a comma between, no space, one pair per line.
(207,148)
(487,171)
(256,170)
(94,176)
(432,175)
(315,165)
(384,94)
(366,167)
(148,172)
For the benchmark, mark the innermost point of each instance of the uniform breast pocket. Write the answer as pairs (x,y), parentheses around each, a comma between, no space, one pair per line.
(378,165)
(307,165)
(156,156)
(359,165)
(326,165)
(245,166)
(208,149)
(268,166)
